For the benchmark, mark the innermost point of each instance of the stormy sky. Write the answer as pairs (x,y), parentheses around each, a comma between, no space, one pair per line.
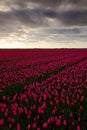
(43,23)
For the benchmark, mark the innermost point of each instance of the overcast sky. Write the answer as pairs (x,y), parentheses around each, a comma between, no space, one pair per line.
(43,23)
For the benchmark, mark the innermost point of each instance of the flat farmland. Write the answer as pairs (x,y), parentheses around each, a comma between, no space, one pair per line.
(43,89)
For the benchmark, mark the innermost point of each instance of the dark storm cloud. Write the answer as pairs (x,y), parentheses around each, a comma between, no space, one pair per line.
(44,3)
(79,2)
(34,18)
(47,3)
(19,14)
(37,17)
(72,17)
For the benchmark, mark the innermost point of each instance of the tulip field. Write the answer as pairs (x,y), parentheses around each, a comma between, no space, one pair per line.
(43,89)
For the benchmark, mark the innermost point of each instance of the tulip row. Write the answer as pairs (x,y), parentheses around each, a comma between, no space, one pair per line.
(56,102)
(15,72)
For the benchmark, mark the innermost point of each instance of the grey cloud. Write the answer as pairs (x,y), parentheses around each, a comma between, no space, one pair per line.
(50,3)
(67,34)
(23,4)
(11,20)
(64,31)
(37,17)
(30,21)
(47,3)
(79,2)
(30,18)
(73,17)
(43,3)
